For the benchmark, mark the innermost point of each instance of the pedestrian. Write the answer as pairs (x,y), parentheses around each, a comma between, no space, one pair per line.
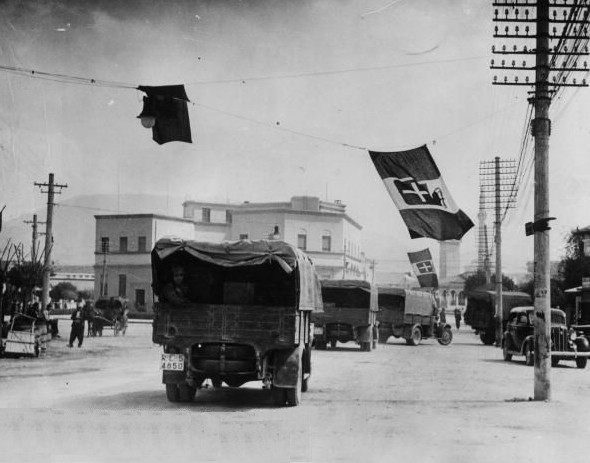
(52,327)
(443,315)
(77,326)
(458,317)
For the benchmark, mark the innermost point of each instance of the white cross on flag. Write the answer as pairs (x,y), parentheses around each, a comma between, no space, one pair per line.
(419,192)
(424,268)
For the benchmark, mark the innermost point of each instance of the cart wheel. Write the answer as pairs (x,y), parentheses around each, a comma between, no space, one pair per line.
(172,392)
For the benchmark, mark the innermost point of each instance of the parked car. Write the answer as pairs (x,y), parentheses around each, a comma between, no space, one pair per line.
(566,344)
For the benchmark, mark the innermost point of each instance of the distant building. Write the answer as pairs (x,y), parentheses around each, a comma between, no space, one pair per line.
(82,277)
(122,263)
(450,258)
(322,229)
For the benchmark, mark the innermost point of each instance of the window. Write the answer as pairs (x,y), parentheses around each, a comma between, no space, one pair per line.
(141,244)
(227,216)
(302,241)
(326,242)
(140,300)
(123,244)
(243,236)
(122,285)
(206,215)
(104,245)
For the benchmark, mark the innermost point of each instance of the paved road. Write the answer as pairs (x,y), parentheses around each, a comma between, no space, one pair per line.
(459,403)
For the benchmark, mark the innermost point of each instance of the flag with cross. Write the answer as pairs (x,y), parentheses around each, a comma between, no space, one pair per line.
(419,192)
(423,268)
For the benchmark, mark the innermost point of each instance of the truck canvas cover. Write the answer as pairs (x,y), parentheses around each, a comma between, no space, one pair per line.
(349,294)
(244,254)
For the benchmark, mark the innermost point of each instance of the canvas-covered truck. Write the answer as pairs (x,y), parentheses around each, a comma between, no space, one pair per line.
(350,314)
(410,314)
(481,308)
(240,313)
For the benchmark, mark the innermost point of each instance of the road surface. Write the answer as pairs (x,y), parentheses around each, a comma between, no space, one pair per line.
(460,403)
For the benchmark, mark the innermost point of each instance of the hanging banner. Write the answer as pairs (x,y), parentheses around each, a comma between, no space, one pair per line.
(419,192)
(423,267)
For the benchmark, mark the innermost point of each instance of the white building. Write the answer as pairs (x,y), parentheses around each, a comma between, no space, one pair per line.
(322,229)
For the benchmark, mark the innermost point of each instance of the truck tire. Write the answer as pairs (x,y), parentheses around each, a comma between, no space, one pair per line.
(415,336)
(172,393)
(488,337)
(186,393)
(293,394)
(446,337)
(581,362)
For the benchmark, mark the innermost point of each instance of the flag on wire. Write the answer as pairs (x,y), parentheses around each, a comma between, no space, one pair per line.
(423,267)
(165,111)
(419,192)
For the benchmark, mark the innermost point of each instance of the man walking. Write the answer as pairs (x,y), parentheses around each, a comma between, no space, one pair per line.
(77,326)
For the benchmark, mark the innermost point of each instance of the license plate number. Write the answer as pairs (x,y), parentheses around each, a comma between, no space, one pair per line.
(174,362)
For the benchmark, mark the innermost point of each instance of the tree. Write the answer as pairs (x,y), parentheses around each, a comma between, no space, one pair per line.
(64,290)
(478,280)
(558,298)
(86,294)
(575,265)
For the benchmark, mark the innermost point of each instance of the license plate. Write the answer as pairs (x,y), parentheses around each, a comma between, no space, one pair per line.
(174,362)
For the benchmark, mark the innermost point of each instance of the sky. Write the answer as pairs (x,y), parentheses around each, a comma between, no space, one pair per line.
(286,98)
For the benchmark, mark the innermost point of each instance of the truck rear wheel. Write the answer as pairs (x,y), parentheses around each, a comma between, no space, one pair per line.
(488,337)
(186,393)
(415,336)
(172,392)
(581,362)
(446,337)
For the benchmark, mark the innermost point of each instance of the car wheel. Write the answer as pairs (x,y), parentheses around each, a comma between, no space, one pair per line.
(507,357)
(529,355)
(554,362)
(581,362)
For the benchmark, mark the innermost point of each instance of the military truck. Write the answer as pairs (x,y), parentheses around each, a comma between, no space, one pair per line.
(410,314)
(481,308)
(242,313)
(350,314)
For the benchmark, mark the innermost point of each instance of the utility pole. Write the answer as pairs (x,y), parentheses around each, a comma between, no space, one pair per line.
(51,186)
(569,43)
(498,241)
(35,239)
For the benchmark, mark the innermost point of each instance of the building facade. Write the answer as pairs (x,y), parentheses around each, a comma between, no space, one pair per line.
(322,229)
(122,264)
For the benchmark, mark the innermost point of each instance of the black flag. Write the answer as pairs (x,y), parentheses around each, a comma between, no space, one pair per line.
(165,111)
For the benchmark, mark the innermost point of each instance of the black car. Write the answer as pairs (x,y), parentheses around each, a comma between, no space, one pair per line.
(566,344)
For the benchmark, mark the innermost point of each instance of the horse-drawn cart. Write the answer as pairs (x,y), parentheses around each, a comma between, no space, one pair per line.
(23,337)
(108,314)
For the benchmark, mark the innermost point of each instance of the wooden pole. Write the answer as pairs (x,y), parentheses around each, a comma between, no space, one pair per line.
(498,241)
(541,131)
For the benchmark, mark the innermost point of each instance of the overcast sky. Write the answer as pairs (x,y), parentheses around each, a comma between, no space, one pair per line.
(286,95)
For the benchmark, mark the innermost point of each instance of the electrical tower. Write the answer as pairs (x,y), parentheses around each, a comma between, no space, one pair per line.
(555,34)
